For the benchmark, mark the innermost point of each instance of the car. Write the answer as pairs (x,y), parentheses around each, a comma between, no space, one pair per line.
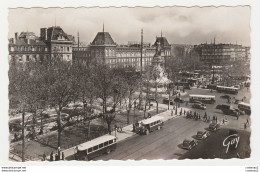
(179,100)
(237,101)
(166,101)
(225,96)
(202,135)
(199,106)
(214,126)
(237,86)
(189,144)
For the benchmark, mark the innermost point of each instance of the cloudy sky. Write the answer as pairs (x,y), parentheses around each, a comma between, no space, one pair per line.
(178,24)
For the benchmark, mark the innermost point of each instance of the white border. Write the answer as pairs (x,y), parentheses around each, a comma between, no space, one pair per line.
(255,55)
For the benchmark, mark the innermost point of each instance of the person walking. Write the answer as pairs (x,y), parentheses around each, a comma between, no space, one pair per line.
(62,156)
(247,121)
(245,126)
(56,157)
(216,119)
(184,112)
(44,157)
(51,156)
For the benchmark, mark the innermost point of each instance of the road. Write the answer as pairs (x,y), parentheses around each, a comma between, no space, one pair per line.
(162,144)
(165,143)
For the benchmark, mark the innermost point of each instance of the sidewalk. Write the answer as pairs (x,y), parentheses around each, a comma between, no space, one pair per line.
(127,130)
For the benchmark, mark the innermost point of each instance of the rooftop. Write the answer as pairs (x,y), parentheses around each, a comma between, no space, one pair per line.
(103,38)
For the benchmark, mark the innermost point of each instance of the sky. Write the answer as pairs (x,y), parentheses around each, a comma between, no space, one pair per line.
(180,25)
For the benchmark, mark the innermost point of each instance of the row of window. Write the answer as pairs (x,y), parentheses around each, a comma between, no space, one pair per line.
(27,48)
(155,123)
(100,146)
(61,49)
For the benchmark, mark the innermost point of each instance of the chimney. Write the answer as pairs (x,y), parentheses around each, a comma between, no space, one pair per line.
(15,37)
(43,34)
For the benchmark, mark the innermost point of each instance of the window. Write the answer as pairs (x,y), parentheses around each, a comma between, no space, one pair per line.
(101,145)
(106,143)
(68,48)
(27,58)
(110,141)
(95,147)
(90,150)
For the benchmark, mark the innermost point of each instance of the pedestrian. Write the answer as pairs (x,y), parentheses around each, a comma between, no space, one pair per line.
(247,121)
(245,126)
(51,156)
(223,121)
(216,119)
(199,116)
(237,115)
(44,156)
(184,112)
(171,112)
(56,157)
(62,156)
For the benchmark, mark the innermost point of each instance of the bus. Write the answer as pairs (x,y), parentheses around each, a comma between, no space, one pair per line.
(228,90)
(148,125)
(202,98)
(244,107)
(95,147)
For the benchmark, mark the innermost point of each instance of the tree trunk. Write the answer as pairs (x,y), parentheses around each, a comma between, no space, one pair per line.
(109,127)
(34,124)
(88,134)
(59,127)
(128,114)
(23,138)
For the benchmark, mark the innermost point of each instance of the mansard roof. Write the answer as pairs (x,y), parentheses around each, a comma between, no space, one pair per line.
(103,38)
(54,32)
(163,41)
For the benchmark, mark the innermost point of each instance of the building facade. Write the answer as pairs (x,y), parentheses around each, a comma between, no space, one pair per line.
(103,49)
(219,53)
(53,42)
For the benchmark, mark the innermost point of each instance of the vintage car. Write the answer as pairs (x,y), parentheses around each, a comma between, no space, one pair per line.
(214,126)
(202,135)
(199,106)
(189,144)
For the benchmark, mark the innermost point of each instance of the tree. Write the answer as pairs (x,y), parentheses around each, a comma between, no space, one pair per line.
(85,90)
(60,93)
(132,82)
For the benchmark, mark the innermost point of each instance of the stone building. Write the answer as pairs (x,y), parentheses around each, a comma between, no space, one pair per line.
(103,49)
(219,53)
(53,42)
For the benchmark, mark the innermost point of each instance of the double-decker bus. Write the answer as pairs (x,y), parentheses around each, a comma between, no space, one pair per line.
(148,125)
(202,98)
(228,90)
(95,147)
(244,107)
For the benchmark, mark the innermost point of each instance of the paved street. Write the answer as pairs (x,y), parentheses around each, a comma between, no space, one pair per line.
(158,144)
(165,144)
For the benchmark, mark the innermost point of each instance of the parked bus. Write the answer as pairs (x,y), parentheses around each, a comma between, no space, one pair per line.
(148,125)
(95,147)
(244,107)
(202,98)
(229,90)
